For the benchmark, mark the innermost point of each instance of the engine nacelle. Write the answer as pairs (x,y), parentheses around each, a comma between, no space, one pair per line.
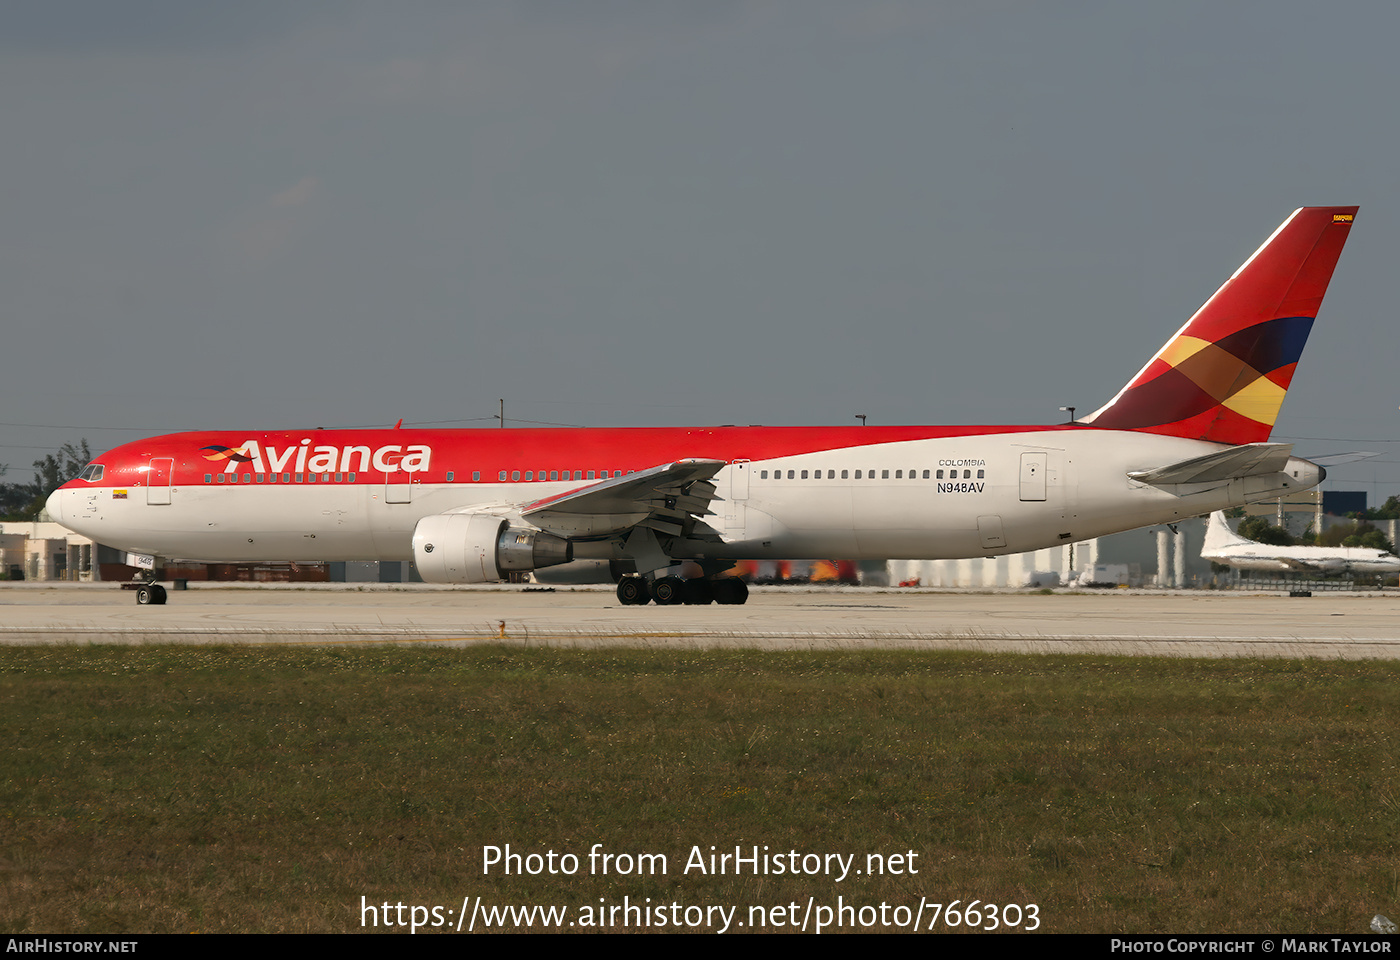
(480,548)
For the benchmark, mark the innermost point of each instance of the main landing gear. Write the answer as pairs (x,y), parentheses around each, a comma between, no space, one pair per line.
(635,591)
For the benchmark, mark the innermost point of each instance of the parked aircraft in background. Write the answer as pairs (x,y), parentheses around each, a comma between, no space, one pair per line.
(1188,434)
(1225,546)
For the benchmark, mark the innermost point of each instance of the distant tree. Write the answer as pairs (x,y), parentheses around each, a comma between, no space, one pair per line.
(23,501)
(1358,533)
(1335,534)
(1390,510)
(14,497)
(56,469)
(1262,531)
(1367,535)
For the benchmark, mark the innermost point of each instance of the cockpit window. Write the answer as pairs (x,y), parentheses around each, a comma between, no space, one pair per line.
(92,473)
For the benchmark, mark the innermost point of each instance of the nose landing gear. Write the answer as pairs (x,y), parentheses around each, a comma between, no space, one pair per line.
(148,592)
(152,593)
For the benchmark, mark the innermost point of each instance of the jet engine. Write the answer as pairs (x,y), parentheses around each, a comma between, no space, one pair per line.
(482,548)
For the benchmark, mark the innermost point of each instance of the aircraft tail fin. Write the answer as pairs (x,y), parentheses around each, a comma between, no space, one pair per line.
(1219,534)
(1224,375)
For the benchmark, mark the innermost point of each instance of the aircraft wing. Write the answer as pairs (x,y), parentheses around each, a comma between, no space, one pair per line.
(1249,460)
(668,499)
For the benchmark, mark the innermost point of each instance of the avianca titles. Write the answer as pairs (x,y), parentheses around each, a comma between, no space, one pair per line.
(1189,434)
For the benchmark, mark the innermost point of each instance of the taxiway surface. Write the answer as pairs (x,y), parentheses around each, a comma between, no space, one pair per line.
(1350,625)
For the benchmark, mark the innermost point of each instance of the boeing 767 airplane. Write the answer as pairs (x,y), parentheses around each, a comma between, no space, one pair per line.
(1187,435)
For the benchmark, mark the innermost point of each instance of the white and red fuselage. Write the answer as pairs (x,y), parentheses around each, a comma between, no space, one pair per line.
(784,492)
(1186,436)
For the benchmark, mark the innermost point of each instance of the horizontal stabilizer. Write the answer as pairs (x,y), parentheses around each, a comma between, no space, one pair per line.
(1250,460)
(1336,459)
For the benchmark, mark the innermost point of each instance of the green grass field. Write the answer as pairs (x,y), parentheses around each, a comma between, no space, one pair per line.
(259,788)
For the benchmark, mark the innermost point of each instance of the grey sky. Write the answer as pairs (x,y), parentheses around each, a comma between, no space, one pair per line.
(265,214)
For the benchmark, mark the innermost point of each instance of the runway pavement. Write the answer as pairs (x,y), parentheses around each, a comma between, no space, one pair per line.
(1185,623)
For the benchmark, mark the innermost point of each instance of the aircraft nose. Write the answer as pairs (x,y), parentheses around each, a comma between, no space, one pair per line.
(55,505)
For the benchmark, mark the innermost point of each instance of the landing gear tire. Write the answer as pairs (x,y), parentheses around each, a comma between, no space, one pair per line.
(633,591)
(668,590)
(151,593)
(730,590)
(697,591)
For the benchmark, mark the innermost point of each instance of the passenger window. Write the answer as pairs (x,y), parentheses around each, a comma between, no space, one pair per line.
(529,474)
(763,475)
(804,474)
(899,474)
(967,474)
(790,474)
(208,478)
(221,479)
(884,474)
(449,477)
(857,474)
(300,477)
(940,475)
(845,474)
(515,474)
(287,477)
(476,476)
(981,474)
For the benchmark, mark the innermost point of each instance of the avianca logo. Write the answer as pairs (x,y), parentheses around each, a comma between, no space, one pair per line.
(304,458)
(217,452)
